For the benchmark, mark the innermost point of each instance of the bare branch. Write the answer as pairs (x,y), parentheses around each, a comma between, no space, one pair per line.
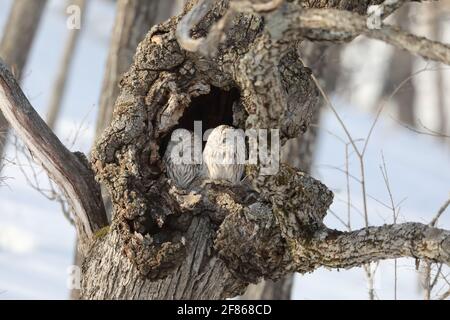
(428,132)
(287,21)
(440,212)
(331,24)
(350,249)
(33,181)
(70,171)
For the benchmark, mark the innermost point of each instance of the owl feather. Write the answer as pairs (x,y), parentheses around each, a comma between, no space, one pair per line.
(179,161)
(224,154)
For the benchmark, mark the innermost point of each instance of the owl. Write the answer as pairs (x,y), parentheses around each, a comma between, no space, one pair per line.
(224,154)
(180,159)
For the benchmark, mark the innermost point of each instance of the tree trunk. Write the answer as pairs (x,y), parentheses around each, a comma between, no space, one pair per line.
(217,292)
(15,46)
(402,65)
(153,222)
(200,276)
(134,18)
(218,65)
(436,34)
(59,87)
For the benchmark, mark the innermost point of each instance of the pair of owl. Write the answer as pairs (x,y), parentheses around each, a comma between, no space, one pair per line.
(223,158)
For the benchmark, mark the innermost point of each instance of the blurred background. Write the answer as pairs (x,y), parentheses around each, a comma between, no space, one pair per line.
(397,171)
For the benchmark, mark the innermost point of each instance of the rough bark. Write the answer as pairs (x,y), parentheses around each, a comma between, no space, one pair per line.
(192,82)
(133,20)
(214,239)
(324,61)
(278,232)
(59,87)
(200,276)
(15,46)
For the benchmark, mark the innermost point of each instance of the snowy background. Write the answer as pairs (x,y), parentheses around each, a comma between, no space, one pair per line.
(37,242)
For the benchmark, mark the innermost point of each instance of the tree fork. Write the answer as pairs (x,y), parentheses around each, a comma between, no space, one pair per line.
(210,243)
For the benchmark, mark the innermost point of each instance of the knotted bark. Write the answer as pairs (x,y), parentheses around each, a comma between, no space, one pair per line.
(168,88)
(211,241)
(215,239)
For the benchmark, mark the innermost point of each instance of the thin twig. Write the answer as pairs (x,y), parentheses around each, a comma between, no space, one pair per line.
(50,194)
(385,175)
(386,101)
(415,130)
(347,180)
(440,212)
(334,214)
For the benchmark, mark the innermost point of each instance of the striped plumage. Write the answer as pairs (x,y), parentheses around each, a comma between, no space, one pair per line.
(224,154)
(181,173)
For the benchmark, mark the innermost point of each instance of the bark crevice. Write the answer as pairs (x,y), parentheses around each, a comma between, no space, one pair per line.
(214,239)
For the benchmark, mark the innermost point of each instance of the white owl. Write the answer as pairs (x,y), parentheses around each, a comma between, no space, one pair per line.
(224,154)
(182,163)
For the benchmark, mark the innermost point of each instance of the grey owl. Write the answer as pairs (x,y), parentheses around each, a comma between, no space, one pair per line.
(180,159)
(224,154)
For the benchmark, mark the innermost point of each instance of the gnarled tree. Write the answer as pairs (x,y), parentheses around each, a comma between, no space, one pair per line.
(221,62)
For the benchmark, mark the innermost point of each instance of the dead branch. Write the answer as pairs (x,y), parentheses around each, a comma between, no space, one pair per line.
(371,244)
(33,179)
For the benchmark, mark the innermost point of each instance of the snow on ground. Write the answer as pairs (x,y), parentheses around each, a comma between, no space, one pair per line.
(37,242)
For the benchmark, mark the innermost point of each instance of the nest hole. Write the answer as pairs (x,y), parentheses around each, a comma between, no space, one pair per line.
(212,109)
